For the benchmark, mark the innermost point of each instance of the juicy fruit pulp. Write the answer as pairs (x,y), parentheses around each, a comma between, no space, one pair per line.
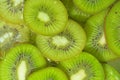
(96,43)
(12,11)
(64,45)
(112,28)
(20,61)
(93,6)
(50,73)
(47,17)
(110,73)
(59,41)
(83,67)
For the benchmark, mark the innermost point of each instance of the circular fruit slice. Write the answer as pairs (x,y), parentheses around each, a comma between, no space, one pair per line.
(12,10)
(64,45)
(93,6)
(96,42)
(50,73)
(83,67)
(112,28)
(47,17)
(20,61)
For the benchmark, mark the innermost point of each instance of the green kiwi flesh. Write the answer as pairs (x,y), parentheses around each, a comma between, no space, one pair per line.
(46,17)
(20,61)
(64,45)
(112,28)
(96,42)
(83,67)
(115,63)
(74,12)
(12,11)
(111,73)
(49,73)
(93,6)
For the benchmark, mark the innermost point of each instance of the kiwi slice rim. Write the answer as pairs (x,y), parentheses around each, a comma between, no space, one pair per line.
(93,6)
(51,73)
(112,33)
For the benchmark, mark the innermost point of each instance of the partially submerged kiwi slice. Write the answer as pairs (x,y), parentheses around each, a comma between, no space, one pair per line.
(74,12)
(12,11)
(83,67)
(111,73)
(115,63)
(96,42)
(93,6)
(64,45)
(10,35)
(49,73)
(7,38)
(46,17)
(112,28)
(20,61)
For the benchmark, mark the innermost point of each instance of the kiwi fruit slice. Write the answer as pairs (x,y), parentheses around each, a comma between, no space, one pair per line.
(64,45)
(83,67)
(12,11)
(7,38)
(115,63)
(112,28)
(23,33)
(74,12)
(49,73)
(96,42)
(46,17)
(111,73)
(20,61)
(10,35)
(93,6)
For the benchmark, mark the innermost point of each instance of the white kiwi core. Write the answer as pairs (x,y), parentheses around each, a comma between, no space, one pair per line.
(102,40)
(22,70)
(17,2)
(80,75)
(42,16)
(60,41)
(5,38)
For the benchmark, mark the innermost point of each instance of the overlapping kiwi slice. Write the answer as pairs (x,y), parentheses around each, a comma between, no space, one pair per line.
(20,61)
(83,67)
(93,6)
(96,42)
(10,35)
(115,63)
(74,12)
(112,28)
(49,73)
(12,11)
(111,73)
(64,45)
(46,17)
